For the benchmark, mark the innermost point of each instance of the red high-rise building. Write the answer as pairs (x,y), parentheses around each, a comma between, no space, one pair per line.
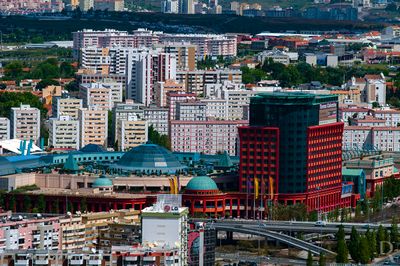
(294,141)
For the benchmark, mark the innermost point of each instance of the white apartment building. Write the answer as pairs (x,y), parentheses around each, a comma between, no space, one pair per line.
(64,133)
(96,95)
(131,133)
(357,137)
(185,54)
(126,111)
(175,97)
(158,118)
(346,113)
(392,117)
(4,128)
(379,138)
(66,107)
(196,81)
(386,138)
(191,111)
(93,125)
(146,68)
(87,37)
(238,103)
(216,108)
(163,87)
(207,44)
(25,123)
(209,137)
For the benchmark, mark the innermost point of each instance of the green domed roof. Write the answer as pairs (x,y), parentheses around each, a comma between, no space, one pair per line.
(102,181)
(201,183)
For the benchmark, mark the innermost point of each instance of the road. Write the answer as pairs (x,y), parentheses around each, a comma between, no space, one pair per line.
(393,259)
(235,258)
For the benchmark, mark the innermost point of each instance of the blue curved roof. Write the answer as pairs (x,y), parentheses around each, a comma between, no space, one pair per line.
(92,148)
(6,167)
(201,183)
(102,181)
(149,157)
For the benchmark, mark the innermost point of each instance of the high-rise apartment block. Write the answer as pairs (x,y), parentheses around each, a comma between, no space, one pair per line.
(4,128)
(66,106)
(196,81)
(129,110)
(185,54)
(64,133)
(131,133)
(110,5)
(163,87)
(175,97)
(206,44)
(295,141)
(25,123)
(93,125)
(158,118)
(208,137)
(96,95)
(144,69)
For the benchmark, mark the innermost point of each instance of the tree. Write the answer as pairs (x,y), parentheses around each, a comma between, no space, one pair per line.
(375,105)
(41,204)
(322,260)
(55,206)
(72,86)
(342,251)
(371,238)
(364,253)
(27,203)
(309,259)
(157,138)
(83,205)
(354,245)
(13,203)
(13,70)
(380,236)
(46,82)
(66,70)
(394,233)
(358,211)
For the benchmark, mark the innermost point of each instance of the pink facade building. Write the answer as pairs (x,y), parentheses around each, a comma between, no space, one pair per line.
(208,137)
(174,97)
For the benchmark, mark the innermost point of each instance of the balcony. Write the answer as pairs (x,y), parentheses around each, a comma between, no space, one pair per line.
(21,263)
(41,262)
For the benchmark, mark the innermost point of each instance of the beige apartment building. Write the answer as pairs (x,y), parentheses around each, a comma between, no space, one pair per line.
(93,125)
(162,88)
(95,95)
(64,133)
(25,123)
(66,107)
(131,133)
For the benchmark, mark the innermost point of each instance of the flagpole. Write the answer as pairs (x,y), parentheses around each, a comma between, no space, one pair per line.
(247,197)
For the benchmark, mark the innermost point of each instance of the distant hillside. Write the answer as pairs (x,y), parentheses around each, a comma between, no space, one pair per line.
(24,29)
